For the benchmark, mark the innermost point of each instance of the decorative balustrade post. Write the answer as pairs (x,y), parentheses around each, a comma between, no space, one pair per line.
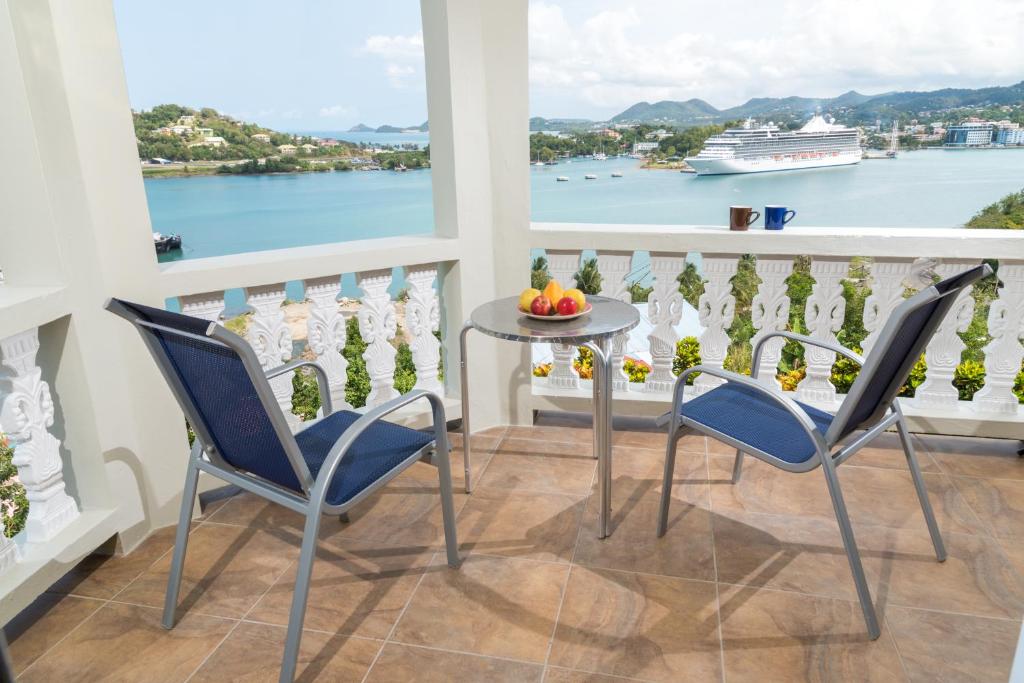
(9,554)
(1004,353)
(614,267)
(716,309)
(26,412)
(378,325)
(563,265)
(888,282)
(207,306)
(946,347)
(423,318)
(770,313)
(271,339)
(664,309)
(325,334)
(823,317)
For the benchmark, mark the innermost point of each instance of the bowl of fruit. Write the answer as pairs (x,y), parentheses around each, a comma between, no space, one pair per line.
(554,303)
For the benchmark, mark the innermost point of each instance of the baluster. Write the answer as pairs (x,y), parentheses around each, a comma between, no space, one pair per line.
(664,309)
(563,265)
(9,554)
(823,317)
(1004,353)
(770,313)
(325,334)
(888,278)
(207,306)
(423,318)
(271,339)
(26,412)
(716,309)
(614,267)
(378,325)
(946,347)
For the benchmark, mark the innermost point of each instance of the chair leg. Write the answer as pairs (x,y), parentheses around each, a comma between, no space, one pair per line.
(301,595)
(188,501)
(444,477)
(737,467)
(852,554)
(922,492)
(666,480)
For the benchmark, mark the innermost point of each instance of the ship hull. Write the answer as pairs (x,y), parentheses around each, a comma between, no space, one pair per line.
(732,166)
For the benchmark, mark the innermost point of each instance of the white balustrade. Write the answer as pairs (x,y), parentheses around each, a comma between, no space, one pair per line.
(823,317)
(945,349)
(271,338)
(325,334)
(9,554)
(888,282)
(770,313)
(26,413)
(664,309)
(423,318)
(377,326)
(562,265)
(716,308)
(614,267)
(206,306)
(1003,355)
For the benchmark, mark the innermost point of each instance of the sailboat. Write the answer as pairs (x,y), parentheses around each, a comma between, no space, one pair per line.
(538,162)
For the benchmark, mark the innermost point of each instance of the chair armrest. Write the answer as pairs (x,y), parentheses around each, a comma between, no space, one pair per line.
(803,339)
(349,436)
(322,383)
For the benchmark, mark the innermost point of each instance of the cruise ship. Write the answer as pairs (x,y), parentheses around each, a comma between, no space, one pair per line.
(756,150)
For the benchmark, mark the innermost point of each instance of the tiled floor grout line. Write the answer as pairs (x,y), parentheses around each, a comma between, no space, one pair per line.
(714,560)
(896,646)
(619,677)
(103,603)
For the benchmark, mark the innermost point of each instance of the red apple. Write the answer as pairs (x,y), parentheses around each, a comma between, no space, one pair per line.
(568,306)
(541,305)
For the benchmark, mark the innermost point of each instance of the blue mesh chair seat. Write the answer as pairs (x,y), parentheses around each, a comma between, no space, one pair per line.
(749,416)
(377,451)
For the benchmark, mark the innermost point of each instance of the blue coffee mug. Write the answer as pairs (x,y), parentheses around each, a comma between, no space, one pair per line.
(776,216)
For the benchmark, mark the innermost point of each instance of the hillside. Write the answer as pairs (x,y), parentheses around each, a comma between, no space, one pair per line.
(363,128)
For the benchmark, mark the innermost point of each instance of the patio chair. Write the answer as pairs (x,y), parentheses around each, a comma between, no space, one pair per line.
(242,437)
(765,422)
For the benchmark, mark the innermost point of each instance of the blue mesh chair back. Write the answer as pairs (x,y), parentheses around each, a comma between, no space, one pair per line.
(900,345)
(218,386)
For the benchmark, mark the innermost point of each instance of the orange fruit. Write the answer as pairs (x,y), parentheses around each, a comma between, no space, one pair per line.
(554,291)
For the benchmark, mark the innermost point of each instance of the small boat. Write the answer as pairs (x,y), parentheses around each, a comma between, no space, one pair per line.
(401,167)
(616,174)
(562,178)
(166,243)
(590,176)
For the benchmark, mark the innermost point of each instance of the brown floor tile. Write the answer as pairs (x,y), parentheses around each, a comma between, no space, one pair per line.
(773,635)
(938,647)
(484,441)
(497,607)
(579,434)
(358,588)
(253,653)
(248,509)
(531,465)
(685,550)
(999,503)
(1015,552)
(422,665)
(43,623)
(558,675)
(540,526)
(103,576)
(972,457)
(886,451)
(637,474)
(127,643)
(227,569)
(427,474)
(638,625)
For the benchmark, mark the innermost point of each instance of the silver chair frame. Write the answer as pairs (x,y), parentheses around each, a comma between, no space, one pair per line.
(311,501)
(831,449)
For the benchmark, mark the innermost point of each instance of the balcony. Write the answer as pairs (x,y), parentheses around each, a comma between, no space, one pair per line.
(750,582)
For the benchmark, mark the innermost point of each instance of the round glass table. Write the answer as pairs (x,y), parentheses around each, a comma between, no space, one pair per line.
(608,317)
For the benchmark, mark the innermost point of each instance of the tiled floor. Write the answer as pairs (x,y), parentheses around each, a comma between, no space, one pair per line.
(749,584)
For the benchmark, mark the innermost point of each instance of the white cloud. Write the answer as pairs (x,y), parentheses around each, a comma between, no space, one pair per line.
(400,76)
(337,111)
(606,55)
(395,47)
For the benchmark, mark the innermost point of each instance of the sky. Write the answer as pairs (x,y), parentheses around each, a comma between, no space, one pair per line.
(317,65)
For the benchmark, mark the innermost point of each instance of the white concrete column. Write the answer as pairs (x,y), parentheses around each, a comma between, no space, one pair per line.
(325,334)
(1004,353)
(946,347)
(770,313)
(716,309)
(377,325)
(9,554)
(664,309)
(614,267)
(271,339)
(207,306)
(562,265)
(888,282)
(823,317)
(26,414)
(422,317)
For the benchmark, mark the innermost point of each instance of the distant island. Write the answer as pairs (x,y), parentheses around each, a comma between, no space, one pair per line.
(363,128)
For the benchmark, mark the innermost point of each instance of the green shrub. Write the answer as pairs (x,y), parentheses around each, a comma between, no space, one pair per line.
(687,356)
(305,394)
(357,385)
(588,279)
(13,501)
(968,378)
(405,371)
(639,294)
(636,369)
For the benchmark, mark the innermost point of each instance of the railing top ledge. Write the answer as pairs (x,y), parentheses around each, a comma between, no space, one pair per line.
(845,241)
